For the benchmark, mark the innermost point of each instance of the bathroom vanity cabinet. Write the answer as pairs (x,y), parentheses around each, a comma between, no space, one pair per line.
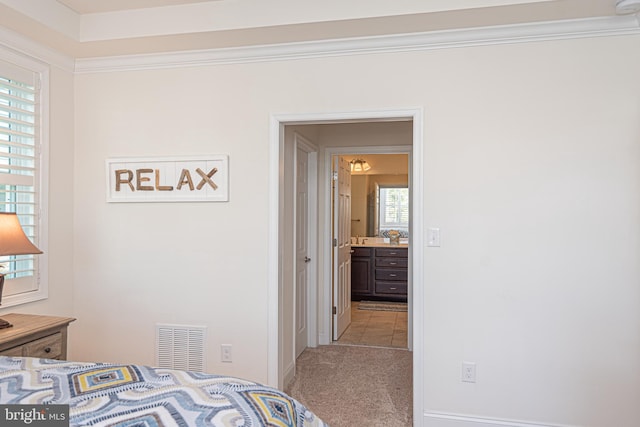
(379,273)
(361,273)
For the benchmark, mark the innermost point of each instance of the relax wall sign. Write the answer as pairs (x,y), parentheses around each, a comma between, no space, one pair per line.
(168,179)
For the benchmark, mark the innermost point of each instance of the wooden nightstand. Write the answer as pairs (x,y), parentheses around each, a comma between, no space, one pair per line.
(35,336)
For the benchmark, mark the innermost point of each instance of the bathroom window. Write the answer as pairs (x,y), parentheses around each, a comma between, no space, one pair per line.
(394,209)
(22,161)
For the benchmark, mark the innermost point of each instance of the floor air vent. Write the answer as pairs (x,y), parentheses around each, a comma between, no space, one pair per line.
(180,347)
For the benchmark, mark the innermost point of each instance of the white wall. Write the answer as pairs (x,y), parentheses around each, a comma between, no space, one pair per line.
(532,155)
(359,205)
(533,174)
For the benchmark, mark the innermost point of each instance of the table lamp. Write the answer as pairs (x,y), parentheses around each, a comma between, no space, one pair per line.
(13,241)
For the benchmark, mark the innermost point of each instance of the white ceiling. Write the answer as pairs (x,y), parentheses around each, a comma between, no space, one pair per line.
(364,8)
(383,164)
(100,6)
(99,28)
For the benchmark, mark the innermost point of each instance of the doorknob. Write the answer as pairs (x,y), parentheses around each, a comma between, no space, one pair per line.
(307,259)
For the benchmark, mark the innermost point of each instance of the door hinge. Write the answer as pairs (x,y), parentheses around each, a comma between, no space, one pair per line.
(334,175)
(335,243)
(335,310)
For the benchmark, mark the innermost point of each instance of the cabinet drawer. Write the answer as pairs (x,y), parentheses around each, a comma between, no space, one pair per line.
(391,288)
(12,352)
(391,262)
(361,252)
(48,347)
(392,252)
(388,274)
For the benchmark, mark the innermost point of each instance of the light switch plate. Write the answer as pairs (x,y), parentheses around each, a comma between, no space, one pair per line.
(433,237)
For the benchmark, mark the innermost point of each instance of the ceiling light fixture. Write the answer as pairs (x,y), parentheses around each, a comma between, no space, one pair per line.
(626,7)
(359,165)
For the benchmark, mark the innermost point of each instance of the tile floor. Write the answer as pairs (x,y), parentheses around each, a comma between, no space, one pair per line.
(376,328)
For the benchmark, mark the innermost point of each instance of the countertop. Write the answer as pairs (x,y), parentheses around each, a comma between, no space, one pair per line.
(379,245)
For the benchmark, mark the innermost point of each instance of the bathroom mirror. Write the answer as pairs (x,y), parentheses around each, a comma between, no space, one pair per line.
(381,189)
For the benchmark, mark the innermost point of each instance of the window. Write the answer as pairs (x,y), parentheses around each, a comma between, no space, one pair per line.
(394,209)
(21,167)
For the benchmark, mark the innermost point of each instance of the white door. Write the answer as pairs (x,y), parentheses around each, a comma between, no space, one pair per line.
(302,249)
(342,246)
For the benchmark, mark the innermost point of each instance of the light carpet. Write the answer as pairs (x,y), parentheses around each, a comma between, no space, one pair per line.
(355,385)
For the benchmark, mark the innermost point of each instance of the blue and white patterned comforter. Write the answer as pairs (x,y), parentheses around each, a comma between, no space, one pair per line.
(101,394)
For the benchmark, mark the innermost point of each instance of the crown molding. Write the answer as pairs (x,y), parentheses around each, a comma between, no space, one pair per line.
(15,42)
(507,34)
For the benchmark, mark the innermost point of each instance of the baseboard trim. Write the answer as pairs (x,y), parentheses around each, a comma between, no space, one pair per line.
(324,339)
(289,375)
(438,419)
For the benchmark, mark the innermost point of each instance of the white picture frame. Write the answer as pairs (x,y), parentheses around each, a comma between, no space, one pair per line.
(168,179)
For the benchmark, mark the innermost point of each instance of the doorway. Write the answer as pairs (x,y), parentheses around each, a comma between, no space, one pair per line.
(380,273)
(278,348)
(380,276)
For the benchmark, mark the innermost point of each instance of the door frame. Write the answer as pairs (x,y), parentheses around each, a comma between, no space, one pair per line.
(275,374)
(328,228)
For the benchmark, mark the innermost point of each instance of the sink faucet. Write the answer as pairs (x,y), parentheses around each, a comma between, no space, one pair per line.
(360,241)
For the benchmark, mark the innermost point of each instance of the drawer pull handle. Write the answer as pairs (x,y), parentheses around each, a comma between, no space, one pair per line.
(393,275)
(393,289)
(392,263)
(392,253)
(47,349)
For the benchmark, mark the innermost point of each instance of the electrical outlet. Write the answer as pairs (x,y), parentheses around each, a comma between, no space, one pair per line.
(225,353)
(468,372)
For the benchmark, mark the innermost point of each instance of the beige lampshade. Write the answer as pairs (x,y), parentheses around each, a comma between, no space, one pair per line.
(13,241)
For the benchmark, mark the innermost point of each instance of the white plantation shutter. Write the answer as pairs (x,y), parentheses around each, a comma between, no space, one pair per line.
(394,208)
(20,168)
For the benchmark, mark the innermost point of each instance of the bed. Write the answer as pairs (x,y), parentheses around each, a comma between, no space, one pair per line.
(101,394)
